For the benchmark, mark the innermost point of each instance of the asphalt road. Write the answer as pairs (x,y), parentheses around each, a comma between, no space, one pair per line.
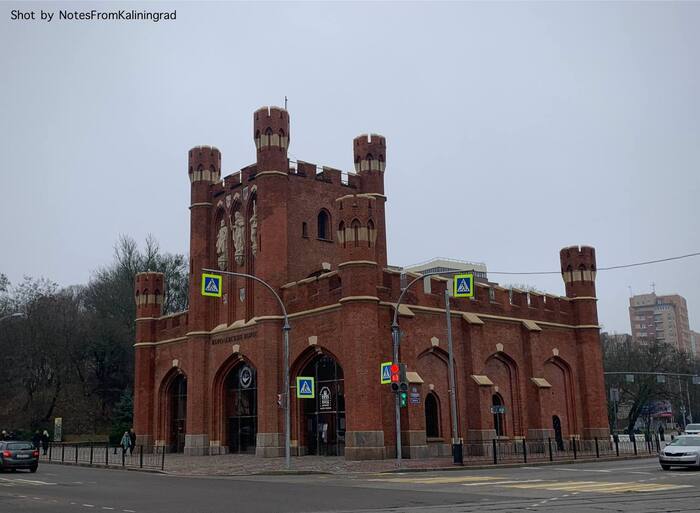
(632,485)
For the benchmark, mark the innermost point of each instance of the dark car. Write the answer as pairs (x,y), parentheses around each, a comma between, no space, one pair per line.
(14,455)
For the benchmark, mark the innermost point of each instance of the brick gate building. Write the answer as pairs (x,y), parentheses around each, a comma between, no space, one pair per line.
(208,380)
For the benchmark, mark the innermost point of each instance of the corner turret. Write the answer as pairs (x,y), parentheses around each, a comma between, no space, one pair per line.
(369,154)
(578,270)
(271,134)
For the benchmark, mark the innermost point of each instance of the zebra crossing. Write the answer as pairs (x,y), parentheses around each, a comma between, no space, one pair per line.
(558,485)
(16,481)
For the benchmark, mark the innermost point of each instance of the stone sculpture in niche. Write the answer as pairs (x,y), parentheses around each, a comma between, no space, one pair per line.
(221,246)
(254,230)
(238,229)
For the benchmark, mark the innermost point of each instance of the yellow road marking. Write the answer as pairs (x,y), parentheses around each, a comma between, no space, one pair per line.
(597,486)
(439,480)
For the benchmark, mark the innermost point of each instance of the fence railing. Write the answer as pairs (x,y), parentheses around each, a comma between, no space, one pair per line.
(497,451)
(105,455)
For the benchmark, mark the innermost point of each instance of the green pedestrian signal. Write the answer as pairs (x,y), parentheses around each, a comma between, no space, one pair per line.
(403,399)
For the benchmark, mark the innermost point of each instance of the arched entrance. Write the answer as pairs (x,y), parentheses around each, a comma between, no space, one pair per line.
(177,405)
(556,425)
(432,416)
(498,411)
(241,408)
(323,424)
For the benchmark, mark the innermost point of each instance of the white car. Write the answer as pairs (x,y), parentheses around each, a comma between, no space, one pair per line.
(692,429)
(684,451)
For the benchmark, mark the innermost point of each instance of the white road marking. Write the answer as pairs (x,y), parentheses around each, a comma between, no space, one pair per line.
(89,505)
(581,470)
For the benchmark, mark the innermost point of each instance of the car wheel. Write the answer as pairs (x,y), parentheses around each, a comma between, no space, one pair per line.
(33,469)
(666,467)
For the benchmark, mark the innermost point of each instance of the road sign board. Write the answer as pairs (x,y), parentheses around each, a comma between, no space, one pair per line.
(498,408)
(211,285)
(385,373)
(463,285)
(305,387)
(415,398)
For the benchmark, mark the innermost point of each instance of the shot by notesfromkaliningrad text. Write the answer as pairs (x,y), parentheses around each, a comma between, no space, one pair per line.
(93,15)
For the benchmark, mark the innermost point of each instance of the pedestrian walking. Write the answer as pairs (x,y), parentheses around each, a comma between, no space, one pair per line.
(3,435)
(126,442)
(132,437)
(36,439)
(662,435)
(45,441)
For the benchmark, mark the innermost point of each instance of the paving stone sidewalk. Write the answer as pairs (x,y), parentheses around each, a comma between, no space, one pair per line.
(243,464)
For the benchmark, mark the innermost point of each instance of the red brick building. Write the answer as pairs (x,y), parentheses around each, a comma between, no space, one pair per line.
(208,380)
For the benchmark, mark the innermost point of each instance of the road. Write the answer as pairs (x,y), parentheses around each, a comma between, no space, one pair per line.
(631,485)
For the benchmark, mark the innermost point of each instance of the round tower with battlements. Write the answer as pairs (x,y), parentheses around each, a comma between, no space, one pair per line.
(271,134)
(369,152)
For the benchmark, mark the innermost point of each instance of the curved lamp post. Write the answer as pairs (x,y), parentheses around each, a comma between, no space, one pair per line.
(286,328)
(395,339)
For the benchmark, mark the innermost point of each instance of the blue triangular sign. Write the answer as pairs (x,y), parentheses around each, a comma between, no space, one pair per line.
(305,387)
(463,286)
(212,285)
(386,372)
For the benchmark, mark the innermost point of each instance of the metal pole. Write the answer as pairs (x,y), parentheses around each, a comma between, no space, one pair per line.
(397,403)
(286,328)
(287,416)
(456,452)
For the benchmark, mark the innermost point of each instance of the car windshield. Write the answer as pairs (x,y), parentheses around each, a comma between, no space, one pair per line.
(692,427)
(687,441)
(18,446)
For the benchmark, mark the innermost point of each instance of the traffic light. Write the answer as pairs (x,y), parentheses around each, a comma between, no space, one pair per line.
(403,399)
(395,376)
(403,380)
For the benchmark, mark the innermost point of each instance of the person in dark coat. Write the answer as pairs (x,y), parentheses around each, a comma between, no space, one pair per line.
(36,440)
(132,437)
(661,433)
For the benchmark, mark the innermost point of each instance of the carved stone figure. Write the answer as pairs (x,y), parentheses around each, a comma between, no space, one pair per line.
(254,230)
(221,245)
(238,229)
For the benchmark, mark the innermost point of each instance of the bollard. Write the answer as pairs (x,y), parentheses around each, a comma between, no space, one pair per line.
(50,450)
(495,452)
(107,454)
(162,461)
(634,443)
(549,442)
(574,441)
(617,445)
(141,456)
(524,451)
(63,453)
(90,453)
(597,450)
(76,453)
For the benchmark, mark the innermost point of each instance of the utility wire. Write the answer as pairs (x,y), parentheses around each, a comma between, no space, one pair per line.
(624,266)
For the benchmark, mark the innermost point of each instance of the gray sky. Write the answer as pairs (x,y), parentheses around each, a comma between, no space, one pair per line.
(512,129)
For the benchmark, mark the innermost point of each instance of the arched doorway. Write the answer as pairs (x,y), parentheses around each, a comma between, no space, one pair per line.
(432,416)
(324,416)
(498,410)
(241,409)
(177,398)
(556,425)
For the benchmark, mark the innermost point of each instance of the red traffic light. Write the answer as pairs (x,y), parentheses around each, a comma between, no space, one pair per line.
(395,378)
(394,368)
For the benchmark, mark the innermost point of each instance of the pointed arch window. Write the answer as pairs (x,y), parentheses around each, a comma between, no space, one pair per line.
(498,410)
(355,225)
(370,232)
(324,225)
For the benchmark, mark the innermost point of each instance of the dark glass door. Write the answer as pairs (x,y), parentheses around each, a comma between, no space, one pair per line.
(242,409)
(324,416)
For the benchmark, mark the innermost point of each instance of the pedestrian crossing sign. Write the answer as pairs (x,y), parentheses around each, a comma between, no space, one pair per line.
(211,285)
(385,373)
(305,387)
(463,285)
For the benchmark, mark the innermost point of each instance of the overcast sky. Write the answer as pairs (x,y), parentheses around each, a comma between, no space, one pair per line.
(513,130)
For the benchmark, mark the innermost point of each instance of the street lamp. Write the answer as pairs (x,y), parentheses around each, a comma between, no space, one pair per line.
(286,328)
(13,315)
(395,338)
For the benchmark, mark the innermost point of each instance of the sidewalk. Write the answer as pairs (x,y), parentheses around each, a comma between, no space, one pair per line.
(244,464)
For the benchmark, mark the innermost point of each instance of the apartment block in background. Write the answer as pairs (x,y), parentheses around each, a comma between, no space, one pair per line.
(660,318)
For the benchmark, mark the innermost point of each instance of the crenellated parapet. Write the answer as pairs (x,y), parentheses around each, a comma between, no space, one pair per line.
(369,152)
(149,290)
(357,220)
(271,135)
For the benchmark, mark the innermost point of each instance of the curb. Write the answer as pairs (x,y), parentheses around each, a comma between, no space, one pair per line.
(106,467)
